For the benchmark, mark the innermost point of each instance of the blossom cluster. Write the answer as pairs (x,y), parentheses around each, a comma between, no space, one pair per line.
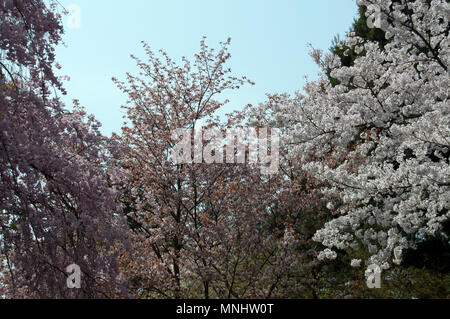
(386,127)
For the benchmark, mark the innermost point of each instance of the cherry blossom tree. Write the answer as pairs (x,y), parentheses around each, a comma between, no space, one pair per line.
(385,124)
(56,208)
(200,230)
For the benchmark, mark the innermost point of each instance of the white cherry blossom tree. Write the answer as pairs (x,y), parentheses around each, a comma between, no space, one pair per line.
(386,128)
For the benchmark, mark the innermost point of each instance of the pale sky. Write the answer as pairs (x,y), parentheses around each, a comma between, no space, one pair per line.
(269,43)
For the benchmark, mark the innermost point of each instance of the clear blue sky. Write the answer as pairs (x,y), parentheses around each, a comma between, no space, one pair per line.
(269,43)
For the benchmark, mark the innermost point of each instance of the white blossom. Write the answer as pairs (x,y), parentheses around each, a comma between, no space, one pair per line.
(388,137)
(356,262)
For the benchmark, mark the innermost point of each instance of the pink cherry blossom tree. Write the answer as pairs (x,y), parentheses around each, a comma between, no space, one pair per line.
(56,208)
(199,230)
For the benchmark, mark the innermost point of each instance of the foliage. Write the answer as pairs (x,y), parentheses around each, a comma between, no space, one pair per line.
(388,134)
(363,172)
